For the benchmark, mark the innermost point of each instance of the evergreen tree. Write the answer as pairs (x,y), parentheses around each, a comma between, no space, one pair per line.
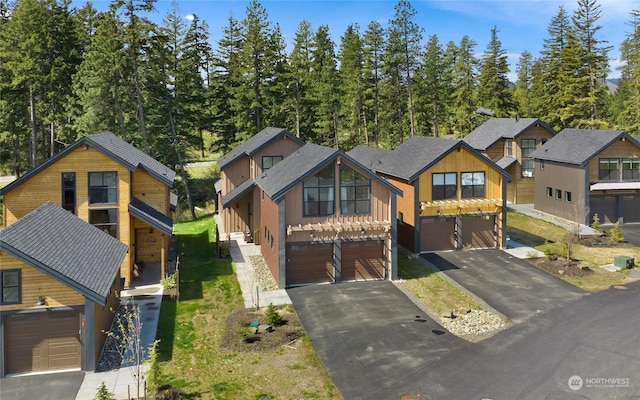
(465,84)
(351,59)
(627,97)
(522,91)
(432,86)
(373,48)
(494,88)
(448,86)
(300,82)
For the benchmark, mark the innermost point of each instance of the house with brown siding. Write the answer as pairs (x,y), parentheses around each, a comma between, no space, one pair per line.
(238,170)
(453,196)
(325,218)
(110,184)
(509,143)
(59,279)
(583,172)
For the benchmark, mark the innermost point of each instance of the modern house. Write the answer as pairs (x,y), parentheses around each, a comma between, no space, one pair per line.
(59,277)
(453,196)
(238,171)
(111,185)
(583,172)
(509,143)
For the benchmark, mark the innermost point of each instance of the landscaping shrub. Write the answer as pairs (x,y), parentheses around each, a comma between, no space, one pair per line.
(272,315)
(616,233)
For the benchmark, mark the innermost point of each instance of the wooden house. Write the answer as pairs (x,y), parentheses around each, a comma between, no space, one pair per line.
(59,277)
(509,143)
(110,184)
(583,172)
(453,196)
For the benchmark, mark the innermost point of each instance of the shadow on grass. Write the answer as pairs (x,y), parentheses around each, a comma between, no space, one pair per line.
(526,238)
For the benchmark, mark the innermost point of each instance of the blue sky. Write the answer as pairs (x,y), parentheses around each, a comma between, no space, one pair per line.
(522,24)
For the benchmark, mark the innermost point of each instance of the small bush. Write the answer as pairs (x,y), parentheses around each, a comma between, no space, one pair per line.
(169,281)
(272,315)
(244,333)
(104,393)
(596,223)
(616,233)
(549,251)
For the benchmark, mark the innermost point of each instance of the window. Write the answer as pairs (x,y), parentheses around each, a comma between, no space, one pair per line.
(558,194)
(270,161)
(508,147)
(472,184)
(103,187)
(444,186)
(541,165)
(318,193)
(609,169)
(69,191)
(631,169)
(355,192)
(400,217)
(528,168)
(10,286)
(106,219)
(549,192)
(567,197)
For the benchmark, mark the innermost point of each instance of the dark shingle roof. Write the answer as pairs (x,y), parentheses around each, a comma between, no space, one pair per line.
(495,129)
(578,146)
(113,147)
(254,144)
(369,156)
(506,161)
(70,250)
(238,192)
(151,216)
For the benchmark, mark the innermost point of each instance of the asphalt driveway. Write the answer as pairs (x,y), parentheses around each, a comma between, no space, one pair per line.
(63,385)
(510,285)
(630,231)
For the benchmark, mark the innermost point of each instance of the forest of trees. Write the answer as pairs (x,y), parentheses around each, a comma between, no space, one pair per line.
(68,72)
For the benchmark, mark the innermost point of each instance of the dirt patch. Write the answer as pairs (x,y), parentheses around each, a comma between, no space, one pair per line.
(243,335)
(560,267)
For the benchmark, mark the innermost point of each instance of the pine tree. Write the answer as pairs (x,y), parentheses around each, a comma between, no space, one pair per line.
(494,86)
(432,89)
(628,93)
(300,81)
(465,83)
(351,59)
(373,47)
(522,91)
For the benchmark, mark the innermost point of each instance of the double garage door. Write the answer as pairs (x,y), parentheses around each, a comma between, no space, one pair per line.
(450,233)
(610,208)
(44,341)
(311,263)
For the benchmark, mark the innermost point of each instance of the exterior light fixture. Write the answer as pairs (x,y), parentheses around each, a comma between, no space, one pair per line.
(42,301)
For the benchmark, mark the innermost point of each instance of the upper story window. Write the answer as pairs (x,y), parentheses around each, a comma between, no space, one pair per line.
(105,219)
(631,169)
(508,147)
(609,169)
(103,187)
(10,286)
(69,191)
(528,167)
(270,161)
(472,184)
(318,195)
(355,192)
(444,186)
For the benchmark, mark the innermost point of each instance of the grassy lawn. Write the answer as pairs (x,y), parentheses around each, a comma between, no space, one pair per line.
(191,330)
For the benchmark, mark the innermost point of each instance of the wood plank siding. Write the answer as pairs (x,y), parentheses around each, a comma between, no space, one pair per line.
(268,235)
(406,206)
(619,150)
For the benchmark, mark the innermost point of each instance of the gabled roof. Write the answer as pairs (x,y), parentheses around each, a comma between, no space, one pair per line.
(506,161)
(114,148)
(238,192)
(151,216)
(579,146)
(61,245)
(495,129)
(255,144)
(368,156)
(306,161)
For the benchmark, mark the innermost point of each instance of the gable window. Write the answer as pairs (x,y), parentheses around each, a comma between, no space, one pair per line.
(549,192)
(609,169)
(103,187)
(355,192)
(318,196)
(10,286)
(270,161)
(631,169)
(472,184)
(106,220)
(508,147)
(528,168)
(69,191)
(444,186)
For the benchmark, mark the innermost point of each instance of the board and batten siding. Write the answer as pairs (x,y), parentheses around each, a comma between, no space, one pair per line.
(269,239)
(405,204)
(281,147)
(566,178)
(619,149)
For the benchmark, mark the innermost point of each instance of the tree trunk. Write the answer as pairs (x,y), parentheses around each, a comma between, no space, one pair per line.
(34,135)
(141,115)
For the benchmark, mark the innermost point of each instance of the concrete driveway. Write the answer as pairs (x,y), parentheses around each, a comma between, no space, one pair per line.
(510,285)
(63,385)
(370,337)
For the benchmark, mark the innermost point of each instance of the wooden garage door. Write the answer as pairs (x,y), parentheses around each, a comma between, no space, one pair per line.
(605,207)
(631,206)
(478,231)
(310,263)
(437,233)
(363,260)
(42,341)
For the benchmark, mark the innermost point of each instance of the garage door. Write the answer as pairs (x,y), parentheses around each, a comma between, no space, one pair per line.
(310,263)
(42,341)
(362,260)
(605,207)
(631,206)
(478,231)
(437,233)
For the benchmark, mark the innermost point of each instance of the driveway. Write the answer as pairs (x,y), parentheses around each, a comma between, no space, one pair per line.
(63,385)
(510,285)
(370,337)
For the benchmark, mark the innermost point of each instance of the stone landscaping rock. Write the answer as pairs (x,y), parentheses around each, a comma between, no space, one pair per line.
(266,281)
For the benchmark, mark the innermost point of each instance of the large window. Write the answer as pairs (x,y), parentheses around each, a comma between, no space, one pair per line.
(10,286)
(528,167)
(444,186)
(270,161)
(355,192)
(105,219)
(318,193)
(631,169)
(69,191)
(508,147)
(609,169)
(103,187)
(472,184)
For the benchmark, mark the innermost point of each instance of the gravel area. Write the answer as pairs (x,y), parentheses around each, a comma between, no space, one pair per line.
(263,274)
(111,357)
(474,324)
